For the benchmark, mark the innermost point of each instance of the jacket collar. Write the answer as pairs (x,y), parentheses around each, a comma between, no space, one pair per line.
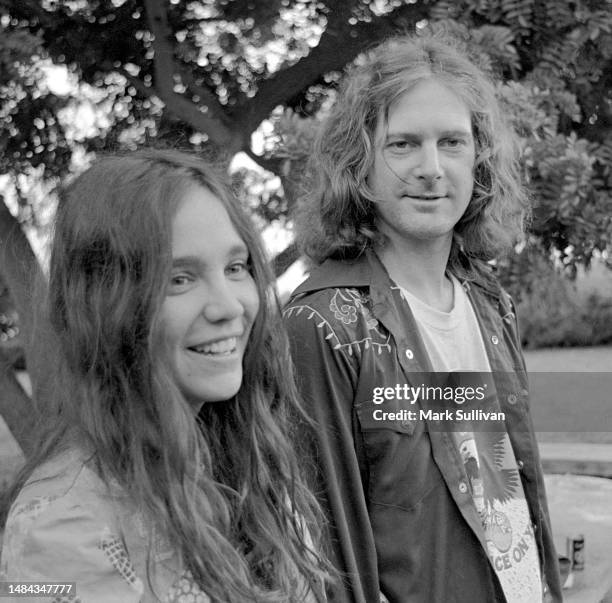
(361,271)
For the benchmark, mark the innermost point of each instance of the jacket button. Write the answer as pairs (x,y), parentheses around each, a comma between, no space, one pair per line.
(494,339)
(512,399)
(520,465)
(409,354)
(462,487)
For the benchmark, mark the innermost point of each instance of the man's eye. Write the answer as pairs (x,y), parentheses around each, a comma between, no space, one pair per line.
(398,145)
(452,142)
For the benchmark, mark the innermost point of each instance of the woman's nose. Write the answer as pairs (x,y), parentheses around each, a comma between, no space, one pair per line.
(222,303)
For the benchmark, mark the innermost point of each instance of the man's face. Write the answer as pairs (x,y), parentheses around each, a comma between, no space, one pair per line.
(423,168)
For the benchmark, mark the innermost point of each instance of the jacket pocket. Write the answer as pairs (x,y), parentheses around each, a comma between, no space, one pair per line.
(400,466)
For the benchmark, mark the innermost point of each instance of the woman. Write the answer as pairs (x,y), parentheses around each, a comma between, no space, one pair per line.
(158,300)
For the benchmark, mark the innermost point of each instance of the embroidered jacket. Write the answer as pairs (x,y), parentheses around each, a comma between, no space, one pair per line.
(67,525)
(404,526)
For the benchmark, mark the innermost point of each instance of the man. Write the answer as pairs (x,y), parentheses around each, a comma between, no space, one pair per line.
(417,187)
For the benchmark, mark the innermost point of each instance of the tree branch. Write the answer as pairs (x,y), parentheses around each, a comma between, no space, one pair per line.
(209,98)
(146,91)
(29,9)
(165,67)
(339,44)
(283,260)
(271,164)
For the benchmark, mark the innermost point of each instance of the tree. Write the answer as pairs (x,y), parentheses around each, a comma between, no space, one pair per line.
(31,137)
(206,73)
(194,73)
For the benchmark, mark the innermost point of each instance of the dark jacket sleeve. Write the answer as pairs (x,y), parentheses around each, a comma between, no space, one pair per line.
(327,379)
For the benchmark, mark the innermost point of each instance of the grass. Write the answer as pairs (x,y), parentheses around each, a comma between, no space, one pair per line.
(571,394)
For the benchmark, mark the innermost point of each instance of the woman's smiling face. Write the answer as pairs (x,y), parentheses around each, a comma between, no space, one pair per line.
(211,300)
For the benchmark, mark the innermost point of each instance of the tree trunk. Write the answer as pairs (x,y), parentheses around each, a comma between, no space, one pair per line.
(16,408)
(21,272)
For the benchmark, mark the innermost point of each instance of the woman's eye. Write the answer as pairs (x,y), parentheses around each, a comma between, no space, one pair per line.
(237,269)
(178,282)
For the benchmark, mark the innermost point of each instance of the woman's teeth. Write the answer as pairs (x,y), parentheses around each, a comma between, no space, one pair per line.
(223,346)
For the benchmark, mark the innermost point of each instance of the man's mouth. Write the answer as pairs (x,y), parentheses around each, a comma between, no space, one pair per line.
(426,197)
(222,347)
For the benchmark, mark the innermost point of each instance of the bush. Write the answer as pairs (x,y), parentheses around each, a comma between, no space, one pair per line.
(553,315)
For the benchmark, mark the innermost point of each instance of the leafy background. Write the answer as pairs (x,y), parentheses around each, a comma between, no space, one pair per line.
(252,79)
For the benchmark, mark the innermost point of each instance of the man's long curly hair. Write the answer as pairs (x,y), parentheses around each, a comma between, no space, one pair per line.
(337,217)
(225,489)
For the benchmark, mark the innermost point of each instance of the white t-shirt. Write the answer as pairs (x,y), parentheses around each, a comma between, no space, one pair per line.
(454,344)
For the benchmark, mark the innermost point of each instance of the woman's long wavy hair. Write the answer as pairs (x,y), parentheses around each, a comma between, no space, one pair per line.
(225,489)
(337,218)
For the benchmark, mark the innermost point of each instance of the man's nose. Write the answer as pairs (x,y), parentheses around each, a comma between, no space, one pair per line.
(428,167)
(222,303)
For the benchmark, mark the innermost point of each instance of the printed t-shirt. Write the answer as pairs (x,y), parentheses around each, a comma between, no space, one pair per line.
(454,344)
